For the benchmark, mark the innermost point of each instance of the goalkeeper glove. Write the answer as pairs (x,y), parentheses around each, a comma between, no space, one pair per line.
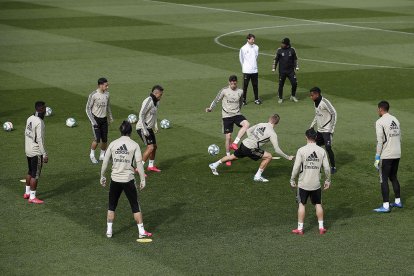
(377,160)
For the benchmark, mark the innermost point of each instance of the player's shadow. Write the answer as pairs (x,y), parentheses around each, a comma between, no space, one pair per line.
(68,187)
(338,213)
(166,164)
(343,158)
(158,217)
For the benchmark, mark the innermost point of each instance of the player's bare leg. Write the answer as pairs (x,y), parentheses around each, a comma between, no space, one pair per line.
(109,221)
(228,147)
(26,195)
(319,215)
(94,145)
(33,187)
(140,223)
(301,219)
(104,146)
(151,157)
(227,158)
(267,157)
(245,126)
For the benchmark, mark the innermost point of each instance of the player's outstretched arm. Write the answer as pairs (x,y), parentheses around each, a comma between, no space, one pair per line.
(218,98)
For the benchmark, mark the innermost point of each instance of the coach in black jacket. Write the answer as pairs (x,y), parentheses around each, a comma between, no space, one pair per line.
(288,62)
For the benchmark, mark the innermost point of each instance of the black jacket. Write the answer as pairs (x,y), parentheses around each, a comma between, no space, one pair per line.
(287,60)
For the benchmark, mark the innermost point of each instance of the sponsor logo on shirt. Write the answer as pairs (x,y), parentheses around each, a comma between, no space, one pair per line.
(122,150)
(313,157)
(393,125)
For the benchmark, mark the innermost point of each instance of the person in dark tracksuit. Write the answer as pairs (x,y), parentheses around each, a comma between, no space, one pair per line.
(288,62)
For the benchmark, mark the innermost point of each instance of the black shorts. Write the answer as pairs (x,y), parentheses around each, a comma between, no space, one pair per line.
(315,196)
(254,154)
(148,140)
(324,138)
(35,164)
(130,190)
(230,121)
(100,130)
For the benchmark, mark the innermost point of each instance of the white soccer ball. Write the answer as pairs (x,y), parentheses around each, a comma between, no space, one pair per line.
(70,122)
(132,118)
(8,126)
(213,149)
(48,111)
(165,123)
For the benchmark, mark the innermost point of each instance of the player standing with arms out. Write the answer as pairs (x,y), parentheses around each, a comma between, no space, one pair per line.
(231,100)
(124,152)
(35,150)
(248,59)
(388,155)
(288,62)
(146,125)
(325,120)
(308,163)
(257,136)
(98,109)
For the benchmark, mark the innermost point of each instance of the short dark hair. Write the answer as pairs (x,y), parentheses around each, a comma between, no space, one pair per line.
(250,36)
(275,118)
(102,81)
(157,87)
(384,105)
(311,134)
(315,89)
(39,105)
(233,78)
(125,128)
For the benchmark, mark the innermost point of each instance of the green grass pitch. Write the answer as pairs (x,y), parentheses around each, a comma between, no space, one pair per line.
(358,52)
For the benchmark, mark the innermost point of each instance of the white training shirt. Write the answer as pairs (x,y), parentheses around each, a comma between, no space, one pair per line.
(35,137)
(231,101)
(248,58)
(388,137)
(325,116)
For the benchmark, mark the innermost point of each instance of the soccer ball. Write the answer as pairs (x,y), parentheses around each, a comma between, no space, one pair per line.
(132,118)
(8,126)
(165,123)
(70,122)
(213,149)
(48,111)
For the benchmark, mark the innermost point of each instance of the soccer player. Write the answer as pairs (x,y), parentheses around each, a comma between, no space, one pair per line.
(288,62)
(146,126)
(325,120)
(257,136)
(35,151)
(248,59)
(308,163)
(98,109)
(231,100)
(388,155)
(124,152)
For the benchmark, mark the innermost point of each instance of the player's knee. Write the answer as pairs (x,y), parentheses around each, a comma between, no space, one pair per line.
(152,147)
(246,124)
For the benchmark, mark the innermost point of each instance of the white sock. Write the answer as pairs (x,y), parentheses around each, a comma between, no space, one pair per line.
(32,194)
(109,227)
(300,225)
(216,164)
(320,224)
(386,205)
(259,173)
(143,163)
(102,153)
(228,153)
(397,200)
(236,141)
(151,163)
(92,153)
(141,229)
(27,190)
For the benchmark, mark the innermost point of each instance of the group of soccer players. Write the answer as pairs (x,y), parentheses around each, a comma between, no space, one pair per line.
(127,160)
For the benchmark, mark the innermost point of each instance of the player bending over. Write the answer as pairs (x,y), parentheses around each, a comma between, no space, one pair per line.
(308,163)
(257,136)
(146,125)
(231,100)
(123,152)
(35,151)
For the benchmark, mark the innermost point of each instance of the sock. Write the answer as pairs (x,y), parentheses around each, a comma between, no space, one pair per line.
(32,194)
(386,205)
(102,153)
(228,153)
(320,224)
(216,164)
(143,163)
(92,152)
(236,141)
(27,190)
(300,225)
(141,229)
(151,163)
(397,200)
(259,173)
(109,227)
